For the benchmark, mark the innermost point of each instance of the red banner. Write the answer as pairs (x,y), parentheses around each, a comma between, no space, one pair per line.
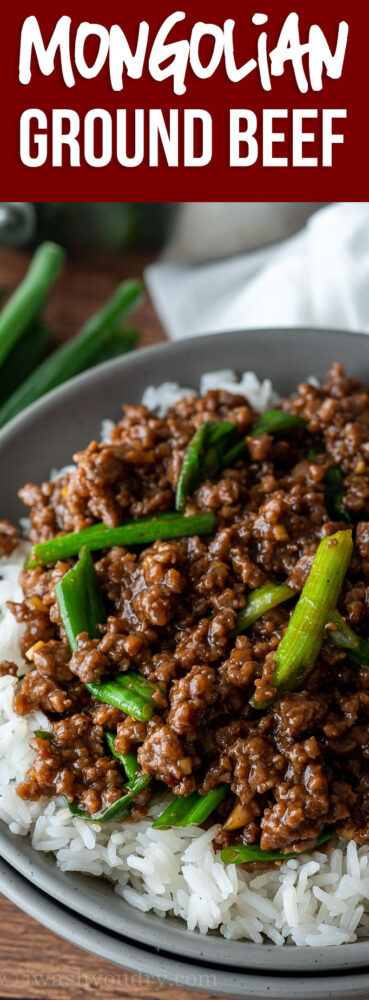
(209,102)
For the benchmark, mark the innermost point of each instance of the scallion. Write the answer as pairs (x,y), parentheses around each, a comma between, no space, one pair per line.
(74,356)
(80,599)
(247,854)
(29,297)
(129,692)
(260,601)
(298,650)
(276,420)
(139,532)
(192,810)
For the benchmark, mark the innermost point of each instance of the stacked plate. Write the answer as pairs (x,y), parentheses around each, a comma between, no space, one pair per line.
(87,913)
(85,910)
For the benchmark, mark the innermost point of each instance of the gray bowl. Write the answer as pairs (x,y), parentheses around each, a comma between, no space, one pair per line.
(149,964)
(46,435)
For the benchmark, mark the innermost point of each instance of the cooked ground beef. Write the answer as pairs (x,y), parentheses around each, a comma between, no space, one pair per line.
(9,537)
(293,769)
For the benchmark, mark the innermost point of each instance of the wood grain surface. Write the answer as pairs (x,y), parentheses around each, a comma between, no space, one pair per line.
(83,287)
(34,963)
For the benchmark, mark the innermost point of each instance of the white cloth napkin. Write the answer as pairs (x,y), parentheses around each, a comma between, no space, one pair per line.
(318,278)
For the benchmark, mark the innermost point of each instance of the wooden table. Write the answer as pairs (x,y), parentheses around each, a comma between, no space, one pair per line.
(34,963)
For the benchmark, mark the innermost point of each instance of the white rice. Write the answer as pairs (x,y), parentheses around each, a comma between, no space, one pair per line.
(319,899)
(261,395)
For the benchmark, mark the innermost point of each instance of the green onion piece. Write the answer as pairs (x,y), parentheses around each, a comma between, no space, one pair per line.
(177,811)
(276,420)
(315,450)
(344,637)
(128,760)
(296,654)
(334,493)
(80,600)
(260,601)
(192,810)
(245,855)
(74,356)
(43,735)
(205,805)
(129,692)
(190,473)
(29,297)
(119,810)
(140,532)
(234,454)
(204,457)
(25,355)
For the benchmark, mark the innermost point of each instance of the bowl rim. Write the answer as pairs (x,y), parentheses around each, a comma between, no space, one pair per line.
(128,361)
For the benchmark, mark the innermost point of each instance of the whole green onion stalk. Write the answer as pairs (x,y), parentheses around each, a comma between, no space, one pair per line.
(77,354)
(23,358)
(29,298)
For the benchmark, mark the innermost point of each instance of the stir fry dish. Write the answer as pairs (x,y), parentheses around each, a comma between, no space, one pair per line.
(196,621)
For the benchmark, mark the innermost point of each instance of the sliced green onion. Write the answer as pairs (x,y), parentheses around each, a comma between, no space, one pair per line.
(191,810)
(80,600)
(260,601)
(74,356)
(298,650)
(302,640)
(177,811)
(334,493)
(276,420)
(129,692)
(128,760)
(344,637)
(238,451)
(43,735)
(205,805)
(119,810)
(204,457)
(140,532)
(315,450)
(29,297)
(334,490)
(245,855)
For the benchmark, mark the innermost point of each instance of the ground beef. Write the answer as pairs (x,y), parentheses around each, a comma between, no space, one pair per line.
(191,698)
(293,768)
(8,668)
(9,538)
(163,756)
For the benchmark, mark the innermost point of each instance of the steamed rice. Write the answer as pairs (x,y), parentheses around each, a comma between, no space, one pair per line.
(317,899)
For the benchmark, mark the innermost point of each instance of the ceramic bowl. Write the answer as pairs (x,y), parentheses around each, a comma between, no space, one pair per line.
(46,436)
